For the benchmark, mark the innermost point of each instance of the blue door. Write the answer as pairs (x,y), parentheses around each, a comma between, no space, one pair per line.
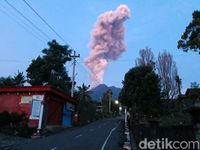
(67,117)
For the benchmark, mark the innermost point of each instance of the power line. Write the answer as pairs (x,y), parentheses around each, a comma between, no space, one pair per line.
(40,18)
(14,61)
(86,74)
(74,56)
(132,59)
(44,21)
(21,14)
(81,65)
(20,22)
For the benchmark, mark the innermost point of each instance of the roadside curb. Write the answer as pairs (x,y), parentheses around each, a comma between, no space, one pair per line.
(127,143)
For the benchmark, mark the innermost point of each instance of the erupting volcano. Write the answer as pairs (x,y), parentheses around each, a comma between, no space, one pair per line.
(107,42)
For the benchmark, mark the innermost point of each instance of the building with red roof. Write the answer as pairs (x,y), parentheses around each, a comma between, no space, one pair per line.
(43,105)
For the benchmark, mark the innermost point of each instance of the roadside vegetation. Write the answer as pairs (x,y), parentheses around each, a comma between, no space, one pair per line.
(15,124)
(152,91)
(152,88)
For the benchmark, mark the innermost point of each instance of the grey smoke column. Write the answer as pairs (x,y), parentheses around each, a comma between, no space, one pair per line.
(107,42)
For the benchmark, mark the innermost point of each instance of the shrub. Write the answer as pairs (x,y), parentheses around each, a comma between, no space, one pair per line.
(4,118)
(14,123)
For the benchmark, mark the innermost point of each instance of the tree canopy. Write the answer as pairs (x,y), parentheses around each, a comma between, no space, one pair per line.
(141,90)
(190,40)
(194,85)
(17,80)
(168,74)
(83,93)
(146,58)
(50,68)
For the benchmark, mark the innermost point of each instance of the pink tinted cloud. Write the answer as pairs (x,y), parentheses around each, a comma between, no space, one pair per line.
(107,42)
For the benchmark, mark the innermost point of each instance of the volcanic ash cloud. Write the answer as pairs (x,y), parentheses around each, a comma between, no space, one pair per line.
(107,42)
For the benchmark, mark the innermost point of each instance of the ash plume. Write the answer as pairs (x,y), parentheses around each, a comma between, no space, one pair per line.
(107,42)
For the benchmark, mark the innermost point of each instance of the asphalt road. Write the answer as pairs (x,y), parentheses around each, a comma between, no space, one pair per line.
(100,135)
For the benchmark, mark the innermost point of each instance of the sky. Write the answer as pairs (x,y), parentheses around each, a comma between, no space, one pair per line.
(157,24)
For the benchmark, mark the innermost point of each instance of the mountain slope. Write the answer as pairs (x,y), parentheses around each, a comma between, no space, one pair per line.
(98,91)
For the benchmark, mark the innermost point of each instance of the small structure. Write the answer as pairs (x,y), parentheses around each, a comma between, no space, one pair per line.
(99,107)
(193,93)
(43,105)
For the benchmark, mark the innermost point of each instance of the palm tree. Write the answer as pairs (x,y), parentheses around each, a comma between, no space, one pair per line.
(83,94)
(86,108)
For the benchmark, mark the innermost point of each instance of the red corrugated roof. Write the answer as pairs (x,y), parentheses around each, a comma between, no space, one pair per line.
(47,88)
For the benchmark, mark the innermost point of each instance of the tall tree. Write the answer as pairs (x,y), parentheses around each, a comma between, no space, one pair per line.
(146,58)
(168,73)
(190,40)
(38,72)
(141,91)
(50,68)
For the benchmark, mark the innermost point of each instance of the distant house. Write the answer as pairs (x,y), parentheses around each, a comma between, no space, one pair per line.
(44,105)
(99,107)
(193,93)
(192,96)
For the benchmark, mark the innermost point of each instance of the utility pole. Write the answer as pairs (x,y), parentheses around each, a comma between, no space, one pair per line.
(109,102)
(125,115)
(74,56)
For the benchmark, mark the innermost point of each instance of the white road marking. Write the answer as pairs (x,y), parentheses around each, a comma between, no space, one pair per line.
(105,142)
(78,136)
(54,148)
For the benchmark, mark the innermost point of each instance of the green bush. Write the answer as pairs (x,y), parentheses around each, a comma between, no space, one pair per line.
(14,123)
(4,118)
